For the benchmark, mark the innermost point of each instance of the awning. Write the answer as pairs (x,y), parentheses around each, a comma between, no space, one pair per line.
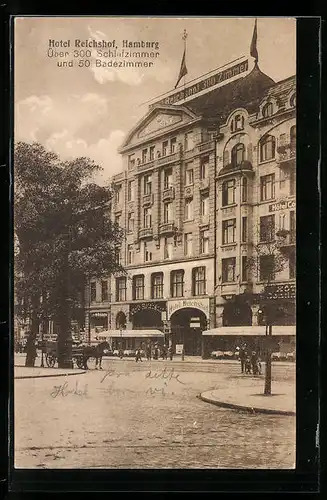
(249,330)
(132,333)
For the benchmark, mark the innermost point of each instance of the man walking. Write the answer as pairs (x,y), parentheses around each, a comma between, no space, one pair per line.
(138,356)
(242,357)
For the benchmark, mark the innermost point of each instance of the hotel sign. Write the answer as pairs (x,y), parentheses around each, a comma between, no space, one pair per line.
(205,84)
(175,305)
(282,205)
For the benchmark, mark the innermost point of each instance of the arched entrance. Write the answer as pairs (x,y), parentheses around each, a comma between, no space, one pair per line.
(237,314)
(187,326)
(147,319)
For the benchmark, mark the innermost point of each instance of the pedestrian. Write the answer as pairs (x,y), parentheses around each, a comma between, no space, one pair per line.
(247,365)
(138,356)
(254,363)
(156,352)
(164,352)
(31,352)
(170,352)
(242,357)
(148,352)
(121,353)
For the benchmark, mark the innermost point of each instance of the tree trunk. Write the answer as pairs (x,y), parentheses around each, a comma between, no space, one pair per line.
(64,341)
(31,352)
(267,390)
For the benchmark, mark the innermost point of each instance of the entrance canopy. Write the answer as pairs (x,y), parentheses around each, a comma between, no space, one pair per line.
(132,333)
(249,330)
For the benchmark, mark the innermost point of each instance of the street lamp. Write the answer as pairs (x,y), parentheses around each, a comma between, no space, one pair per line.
(42,347)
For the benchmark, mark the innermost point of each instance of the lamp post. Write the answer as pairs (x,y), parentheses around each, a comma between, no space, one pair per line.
(42,346)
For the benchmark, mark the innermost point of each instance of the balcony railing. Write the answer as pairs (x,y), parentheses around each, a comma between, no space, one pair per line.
(286,239)
(205,146)
(167,228)
(146,232)
(147,199)
(167,159)
(168,194)
(286,152)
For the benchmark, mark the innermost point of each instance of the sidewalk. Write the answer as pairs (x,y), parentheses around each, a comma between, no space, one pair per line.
(21,371)
(246,393)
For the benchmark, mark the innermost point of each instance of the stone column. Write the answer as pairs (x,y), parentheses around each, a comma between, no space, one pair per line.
(255,308)
(219,315)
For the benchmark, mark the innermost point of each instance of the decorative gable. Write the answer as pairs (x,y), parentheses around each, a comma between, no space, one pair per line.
(161,121)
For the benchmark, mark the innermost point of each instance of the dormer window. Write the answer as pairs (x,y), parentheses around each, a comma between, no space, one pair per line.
(237,123)
(293,101)
(267,110)
(238,154)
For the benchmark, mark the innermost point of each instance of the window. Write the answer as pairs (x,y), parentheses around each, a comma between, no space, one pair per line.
(173,144)
(151,154)
(228,197)
(204,168)
(292,265)
(229,231)
(238,154)
(267,228)
(147,184)
(267,187)
(144,155)
(282,221)
(93,291)
(118,256)
(267,148)
(244,268)
(147,253)
(104,291)
(168,248)
(147,219)
(130,191)
(244,229)
(237,123)
(267,110)
(228,269)
(188,209)
(118,194)
(199,281)
(131,162)
(189,142)
(168,215)
(244,183)
(293,101)
(204,206)
(120,289)
(117,219)
(168,178)
(130,254)
(267,267)
(292,226)
(157,286)
(177,283)
(164,148)
(189,177)
(130,222)
(293,137)
(292,182)
(188,244)
(204,242)
(282,178)
(138,287)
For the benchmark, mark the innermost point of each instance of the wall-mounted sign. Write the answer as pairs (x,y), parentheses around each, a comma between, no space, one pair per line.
(206,83)
(179,348)
(282,205)
(201,304)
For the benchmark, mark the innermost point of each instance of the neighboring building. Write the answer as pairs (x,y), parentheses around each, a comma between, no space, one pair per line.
(203,170)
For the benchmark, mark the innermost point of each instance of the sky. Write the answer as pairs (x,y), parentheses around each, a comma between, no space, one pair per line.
(88,111)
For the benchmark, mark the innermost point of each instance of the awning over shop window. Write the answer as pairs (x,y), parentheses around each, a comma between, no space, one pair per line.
(249,330)
(132,333)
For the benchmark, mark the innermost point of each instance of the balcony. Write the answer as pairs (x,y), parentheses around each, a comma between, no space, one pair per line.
(168,194)
(188,191)
(167,228)
(285,239)
(206,146)
(146,232)
(147,200)
(287,154)
(204,184)
(164,160)
(229,289)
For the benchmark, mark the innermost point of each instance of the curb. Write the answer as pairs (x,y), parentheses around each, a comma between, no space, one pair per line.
(249,409)
(52,375)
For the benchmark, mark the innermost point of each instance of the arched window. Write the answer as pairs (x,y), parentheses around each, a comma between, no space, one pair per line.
(267,110)
(293,136)
(267,148)
(244,184)
(238,153)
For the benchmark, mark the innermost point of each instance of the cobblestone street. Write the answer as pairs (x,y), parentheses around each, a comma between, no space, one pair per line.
(146,415)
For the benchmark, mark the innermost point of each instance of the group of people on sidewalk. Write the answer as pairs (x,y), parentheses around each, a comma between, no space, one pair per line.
(250,360)
(154,352)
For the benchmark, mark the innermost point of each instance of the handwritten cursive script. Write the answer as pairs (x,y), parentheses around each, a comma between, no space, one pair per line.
(165,374)
(113,373)
(64,390)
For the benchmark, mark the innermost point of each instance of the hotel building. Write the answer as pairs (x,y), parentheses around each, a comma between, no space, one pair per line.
(208,179)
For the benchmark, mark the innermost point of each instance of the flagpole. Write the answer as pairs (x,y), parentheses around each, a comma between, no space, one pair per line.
(184,78)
